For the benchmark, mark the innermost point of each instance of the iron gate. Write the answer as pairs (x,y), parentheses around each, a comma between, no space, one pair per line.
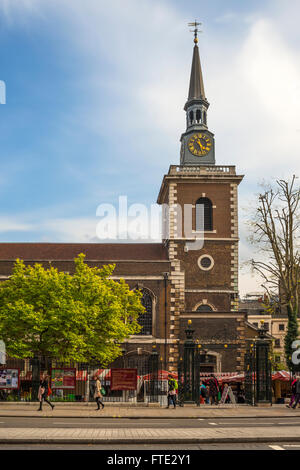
(258,375)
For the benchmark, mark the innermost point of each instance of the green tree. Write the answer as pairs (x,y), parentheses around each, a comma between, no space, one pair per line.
(276,232)
(79,317)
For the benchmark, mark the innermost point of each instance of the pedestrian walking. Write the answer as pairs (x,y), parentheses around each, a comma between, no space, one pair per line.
(293,390)
(213,390)
(297,396)
(172,389)
(44,391)
(203,392)
(98,395)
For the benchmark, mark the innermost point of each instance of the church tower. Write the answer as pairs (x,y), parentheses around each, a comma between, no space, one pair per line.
(200,217)
(197,142)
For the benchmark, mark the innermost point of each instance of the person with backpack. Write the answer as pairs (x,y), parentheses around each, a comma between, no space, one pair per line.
(172,388)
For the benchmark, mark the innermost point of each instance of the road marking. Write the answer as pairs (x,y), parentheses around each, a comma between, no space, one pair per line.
(291,445)
(200,419)
(277,448)
(290,422)
(70,423)
(213,424)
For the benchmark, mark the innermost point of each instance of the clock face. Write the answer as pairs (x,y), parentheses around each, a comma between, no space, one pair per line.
(199,144)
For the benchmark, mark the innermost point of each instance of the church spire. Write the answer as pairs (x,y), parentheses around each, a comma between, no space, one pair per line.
(197,104)
(197,142)
(196,90)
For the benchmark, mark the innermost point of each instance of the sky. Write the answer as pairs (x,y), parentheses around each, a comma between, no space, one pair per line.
(94,105)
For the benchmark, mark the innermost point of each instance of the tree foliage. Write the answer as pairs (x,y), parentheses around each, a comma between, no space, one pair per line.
(276,232)
(83,316)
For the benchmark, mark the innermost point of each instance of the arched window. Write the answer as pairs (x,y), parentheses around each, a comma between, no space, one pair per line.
(198,115)
(204,219)
(145,320)
(204,308)
(204,117)
(191,117)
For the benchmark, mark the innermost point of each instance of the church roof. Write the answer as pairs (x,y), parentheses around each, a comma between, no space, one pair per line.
(93,251)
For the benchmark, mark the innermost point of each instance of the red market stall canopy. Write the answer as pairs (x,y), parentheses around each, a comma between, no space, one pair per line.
(282,375)
(221,376)
(161,375)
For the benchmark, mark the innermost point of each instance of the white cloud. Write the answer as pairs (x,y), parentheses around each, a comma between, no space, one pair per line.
(9,224)
(252,82)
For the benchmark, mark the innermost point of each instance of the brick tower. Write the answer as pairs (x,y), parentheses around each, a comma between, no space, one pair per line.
(200,217)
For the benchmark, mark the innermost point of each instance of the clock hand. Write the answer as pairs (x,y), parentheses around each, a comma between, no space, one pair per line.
(200,144)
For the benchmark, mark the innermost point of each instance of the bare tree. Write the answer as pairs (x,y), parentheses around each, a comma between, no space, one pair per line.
(276,232)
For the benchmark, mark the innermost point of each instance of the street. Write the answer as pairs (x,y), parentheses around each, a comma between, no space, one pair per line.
(154,423)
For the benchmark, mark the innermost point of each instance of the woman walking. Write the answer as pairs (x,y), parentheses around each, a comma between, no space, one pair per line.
(44,392)
(98,395)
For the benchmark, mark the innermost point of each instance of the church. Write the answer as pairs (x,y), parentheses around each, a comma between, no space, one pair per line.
(191,277)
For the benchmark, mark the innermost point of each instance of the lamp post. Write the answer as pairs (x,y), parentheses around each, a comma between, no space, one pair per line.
(189,364)
(153,382)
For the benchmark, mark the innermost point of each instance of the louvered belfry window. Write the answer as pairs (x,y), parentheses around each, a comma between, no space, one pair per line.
(145,320)
(204,209)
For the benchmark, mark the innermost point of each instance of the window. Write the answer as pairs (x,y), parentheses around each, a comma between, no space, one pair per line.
(204,214)
(204,117)
(255,324)
(191,117)
(277,358)
(277,343)
(145,320)
(198,115)
(206,262)
(204,308)
(267,326)
(281,327)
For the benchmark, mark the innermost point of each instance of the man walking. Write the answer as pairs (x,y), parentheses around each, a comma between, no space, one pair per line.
(172,387)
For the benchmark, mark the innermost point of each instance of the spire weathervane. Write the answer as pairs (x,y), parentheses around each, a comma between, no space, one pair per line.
(195,31)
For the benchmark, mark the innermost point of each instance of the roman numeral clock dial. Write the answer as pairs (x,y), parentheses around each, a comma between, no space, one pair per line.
(199,144)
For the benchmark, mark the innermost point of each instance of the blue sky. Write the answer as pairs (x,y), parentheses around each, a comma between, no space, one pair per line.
(95,96)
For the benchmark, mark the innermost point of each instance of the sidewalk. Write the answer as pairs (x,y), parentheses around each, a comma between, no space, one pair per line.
(116,410)
(148,436)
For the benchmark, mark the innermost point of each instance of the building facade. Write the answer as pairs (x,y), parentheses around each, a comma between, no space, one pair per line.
(193,273)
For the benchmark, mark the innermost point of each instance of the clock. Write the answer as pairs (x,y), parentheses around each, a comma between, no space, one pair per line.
(199,144)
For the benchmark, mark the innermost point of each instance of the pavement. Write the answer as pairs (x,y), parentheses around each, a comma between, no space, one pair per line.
(145,435)
(143,411)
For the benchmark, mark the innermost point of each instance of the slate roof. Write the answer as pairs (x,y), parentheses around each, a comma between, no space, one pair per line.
(93,251)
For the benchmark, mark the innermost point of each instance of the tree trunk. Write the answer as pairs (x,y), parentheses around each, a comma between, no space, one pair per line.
(36,370)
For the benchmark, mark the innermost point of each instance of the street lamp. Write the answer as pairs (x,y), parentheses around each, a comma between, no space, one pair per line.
(189,363)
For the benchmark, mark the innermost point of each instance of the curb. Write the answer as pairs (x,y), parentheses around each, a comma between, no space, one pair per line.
(150,417)
(212,440)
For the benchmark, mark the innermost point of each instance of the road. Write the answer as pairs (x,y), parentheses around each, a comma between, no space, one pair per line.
(155,423)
